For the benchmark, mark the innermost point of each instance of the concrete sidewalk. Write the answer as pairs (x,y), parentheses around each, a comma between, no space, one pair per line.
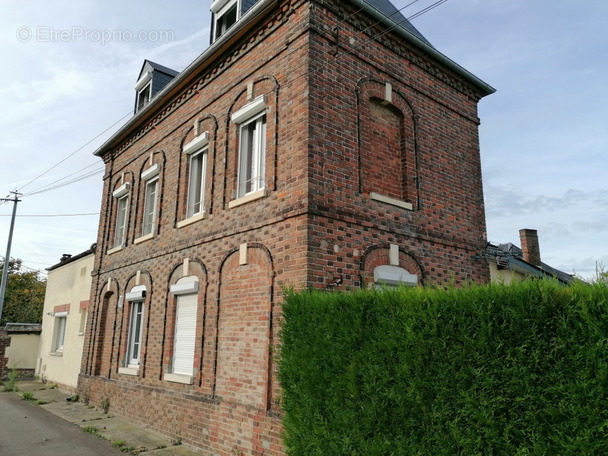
(118,432)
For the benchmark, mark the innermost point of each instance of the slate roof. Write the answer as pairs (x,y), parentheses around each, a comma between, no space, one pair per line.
(389,10)
(149,65)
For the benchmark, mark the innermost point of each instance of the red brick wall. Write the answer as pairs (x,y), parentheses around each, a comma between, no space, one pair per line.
(317,226)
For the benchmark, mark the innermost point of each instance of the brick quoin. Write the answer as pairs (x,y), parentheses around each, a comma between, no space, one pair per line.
(371,151)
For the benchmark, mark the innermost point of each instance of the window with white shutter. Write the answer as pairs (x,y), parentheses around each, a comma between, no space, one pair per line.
(185,332)
(184,341)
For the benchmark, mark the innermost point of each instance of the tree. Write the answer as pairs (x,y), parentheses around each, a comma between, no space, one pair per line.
(24,298)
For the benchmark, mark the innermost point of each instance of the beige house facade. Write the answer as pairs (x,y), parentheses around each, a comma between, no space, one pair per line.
(64,317)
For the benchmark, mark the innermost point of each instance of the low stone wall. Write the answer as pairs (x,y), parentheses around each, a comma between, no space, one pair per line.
(5,341)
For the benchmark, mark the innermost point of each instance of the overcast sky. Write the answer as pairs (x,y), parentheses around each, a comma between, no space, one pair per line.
(69,69)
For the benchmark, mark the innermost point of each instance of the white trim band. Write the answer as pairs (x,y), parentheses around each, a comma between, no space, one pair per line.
(249,110)
(197,143)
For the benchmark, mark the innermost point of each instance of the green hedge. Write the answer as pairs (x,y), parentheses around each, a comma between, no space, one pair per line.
(489,370)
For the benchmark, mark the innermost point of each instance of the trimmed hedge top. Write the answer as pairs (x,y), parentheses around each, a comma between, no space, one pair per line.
(488,370)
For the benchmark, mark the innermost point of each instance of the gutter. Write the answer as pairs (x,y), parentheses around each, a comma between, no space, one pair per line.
(485,88)
(189,73)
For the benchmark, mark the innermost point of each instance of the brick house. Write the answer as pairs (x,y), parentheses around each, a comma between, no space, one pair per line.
(315,143)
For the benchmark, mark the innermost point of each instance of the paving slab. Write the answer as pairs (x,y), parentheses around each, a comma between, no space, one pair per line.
(142,440)
(74,412)
(116,429)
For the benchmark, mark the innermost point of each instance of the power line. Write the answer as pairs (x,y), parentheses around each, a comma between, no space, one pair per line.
(73,181)
(388,17)
(63,178)
(84,214)
(396,24)
(77,150)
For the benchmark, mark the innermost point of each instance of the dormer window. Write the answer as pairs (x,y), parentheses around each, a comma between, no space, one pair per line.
(225,13)
(152,79)
(144,91)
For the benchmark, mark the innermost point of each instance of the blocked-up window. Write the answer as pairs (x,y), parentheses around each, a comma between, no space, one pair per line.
(59,333)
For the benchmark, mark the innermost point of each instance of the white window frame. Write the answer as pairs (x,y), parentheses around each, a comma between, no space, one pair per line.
(150,208)
(136,298)
(393,276)
(121,197)
(143,87)
(83,322)
(220,8)
(197,150)
(61,319)
(251,120)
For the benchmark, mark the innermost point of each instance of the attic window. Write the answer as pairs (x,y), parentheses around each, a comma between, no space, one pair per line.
(144,91)
(225,16)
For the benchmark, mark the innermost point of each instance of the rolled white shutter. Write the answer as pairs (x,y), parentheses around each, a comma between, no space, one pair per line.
(185,333)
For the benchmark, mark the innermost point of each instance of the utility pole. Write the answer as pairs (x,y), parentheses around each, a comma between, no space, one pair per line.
(7,257)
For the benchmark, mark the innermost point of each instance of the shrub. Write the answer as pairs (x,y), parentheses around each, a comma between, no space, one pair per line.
(519,369)
(10,385)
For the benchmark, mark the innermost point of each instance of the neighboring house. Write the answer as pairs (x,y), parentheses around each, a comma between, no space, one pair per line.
(509,262)
(18,349)
(66,303)
(315,143)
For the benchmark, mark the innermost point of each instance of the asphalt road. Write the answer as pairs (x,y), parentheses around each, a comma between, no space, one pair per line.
(27,429)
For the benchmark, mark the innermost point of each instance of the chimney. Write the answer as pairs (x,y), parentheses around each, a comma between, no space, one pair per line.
(529,246)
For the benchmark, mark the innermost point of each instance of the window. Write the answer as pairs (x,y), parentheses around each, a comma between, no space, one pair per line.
(149,207)
(185,332)
(393,276)
(59,335)
(144,91)
(252,146)
(121,195)
(136,297)
(150,178)
(182,368)
(197,150)
(143,96)
(121,221)
(225,14)
(134,345)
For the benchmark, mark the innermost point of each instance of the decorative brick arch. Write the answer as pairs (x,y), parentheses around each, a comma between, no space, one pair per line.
(145,280)
(379,255)
(206,123)
(244,326)
(125,178)
(147,161)
(387,142)
(268,86)
(244,331)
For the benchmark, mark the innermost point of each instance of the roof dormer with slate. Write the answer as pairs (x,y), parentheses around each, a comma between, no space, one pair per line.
(152,79)
(226,13)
